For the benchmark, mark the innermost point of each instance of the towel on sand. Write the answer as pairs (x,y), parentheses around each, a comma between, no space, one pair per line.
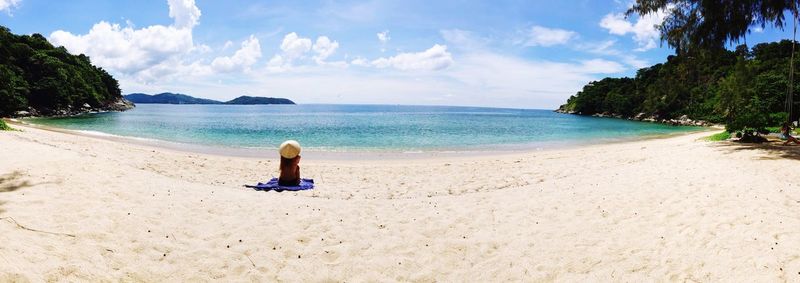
(272,185)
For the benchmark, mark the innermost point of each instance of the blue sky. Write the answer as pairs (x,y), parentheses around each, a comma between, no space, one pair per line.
(525,54)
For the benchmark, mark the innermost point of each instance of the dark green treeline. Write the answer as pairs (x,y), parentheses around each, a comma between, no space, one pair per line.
(34,74)
(745,88)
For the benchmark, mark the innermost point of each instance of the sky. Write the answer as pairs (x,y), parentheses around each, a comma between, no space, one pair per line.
(516,53)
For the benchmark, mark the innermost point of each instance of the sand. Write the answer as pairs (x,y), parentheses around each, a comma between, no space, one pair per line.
(77,208)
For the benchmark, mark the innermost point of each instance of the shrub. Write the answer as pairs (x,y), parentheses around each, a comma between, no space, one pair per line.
(724,135)
(4,126)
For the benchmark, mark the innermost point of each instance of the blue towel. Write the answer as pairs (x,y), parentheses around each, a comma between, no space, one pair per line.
(272,185)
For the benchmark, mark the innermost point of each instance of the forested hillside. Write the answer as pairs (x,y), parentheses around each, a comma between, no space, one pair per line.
(40,79)
(741,88)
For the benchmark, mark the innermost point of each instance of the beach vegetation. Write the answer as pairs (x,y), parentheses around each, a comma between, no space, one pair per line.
(4,126)
(721,136)
(777,130)
(35,75)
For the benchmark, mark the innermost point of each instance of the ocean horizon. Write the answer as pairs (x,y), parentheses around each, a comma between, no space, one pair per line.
(348,127)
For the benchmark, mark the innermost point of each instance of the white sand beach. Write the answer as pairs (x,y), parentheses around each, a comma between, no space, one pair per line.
(77,208)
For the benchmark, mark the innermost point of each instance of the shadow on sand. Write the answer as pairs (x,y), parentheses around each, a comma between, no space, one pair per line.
(774,150)
(11,182)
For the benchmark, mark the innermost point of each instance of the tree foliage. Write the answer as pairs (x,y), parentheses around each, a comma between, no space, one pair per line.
(743,88)
(4,126)
(711,24)
(35,74)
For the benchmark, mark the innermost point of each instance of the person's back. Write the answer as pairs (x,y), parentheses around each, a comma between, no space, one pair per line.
(289,171)
(290,160)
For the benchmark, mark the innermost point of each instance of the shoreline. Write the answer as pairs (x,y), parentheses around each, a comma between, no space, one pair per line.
(370,154)
(684,120)
(119,105)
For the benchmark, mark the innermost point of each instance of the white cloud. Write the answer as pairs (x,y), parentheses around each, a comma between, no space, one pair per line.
(294,46)
(337,64)
(132,51)
(7,5)
(185,13)
(758,30)
(125,49)
(277,64)
(542,36)
(383,36)
(435,58)
(168,69)
(360,61)
(201,48)
(644,30)
(227,45)
(324,48)
(245,57)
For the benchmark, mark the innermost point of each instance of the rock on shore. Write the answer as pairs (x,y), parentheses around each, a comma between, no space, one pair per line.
(643,117)
(119,105)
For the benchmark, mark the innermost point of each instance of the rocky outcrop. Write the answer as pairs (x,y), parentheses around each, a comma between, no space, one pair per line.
(643,117)
(564,110)
(116,106)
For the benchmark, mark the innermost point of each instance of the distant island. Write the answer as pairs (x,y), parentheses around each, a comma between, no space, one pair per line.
(249,100)
(177,98)
(38,79)
(167,98)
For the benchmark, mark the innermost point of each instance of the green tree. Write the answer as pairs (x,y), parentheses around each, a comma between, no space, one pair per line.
(711,24)
(717,86)
(13,90)
(35,74)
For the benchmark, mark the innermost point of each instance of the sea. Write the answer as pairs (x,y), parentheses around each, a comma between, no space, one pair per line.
(344,128)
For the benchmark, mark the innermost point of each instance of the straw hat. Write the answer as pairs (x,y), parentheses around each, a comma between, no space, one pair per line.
(290,149)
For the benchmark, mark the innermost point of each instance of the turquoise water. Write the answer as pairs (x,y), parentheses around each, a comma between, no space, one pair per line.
(360,127)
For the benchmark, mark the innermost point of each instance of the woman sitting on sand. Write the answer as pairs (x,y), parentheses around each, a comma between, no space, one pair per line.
(290,158)
(786,134)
